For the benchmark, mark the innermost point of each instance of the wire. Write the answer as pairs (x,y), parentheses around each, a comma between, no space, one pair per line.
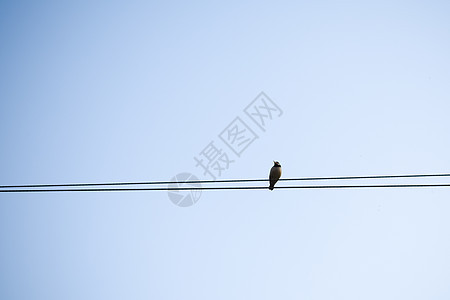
(220,181)
(229,188)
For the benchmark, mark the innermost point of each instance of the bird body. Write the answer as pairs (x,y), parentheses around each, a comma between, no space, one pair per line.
(275,174)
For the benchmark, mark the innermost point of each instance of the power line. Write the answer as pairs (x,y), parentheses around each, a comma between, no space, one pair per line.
(220,181)
(228,188)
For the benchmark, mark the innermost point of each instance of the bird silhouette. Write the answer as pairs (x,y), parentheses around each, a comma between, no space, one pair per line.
(275,174)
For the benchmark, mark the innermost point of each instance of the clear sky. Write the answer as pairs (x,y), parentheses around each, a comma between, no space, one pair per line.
(99,91)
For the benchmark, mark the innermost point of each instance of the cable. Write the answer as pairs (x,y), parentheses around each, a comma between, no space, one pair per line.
(230,188)
(220,181)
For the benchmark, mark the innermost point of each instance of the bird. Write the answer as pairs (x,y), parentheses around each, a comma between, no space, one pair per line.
(275,174)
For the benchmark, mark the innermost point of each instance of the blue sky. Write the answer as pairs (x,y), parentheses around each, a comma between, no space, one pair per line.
(99,91)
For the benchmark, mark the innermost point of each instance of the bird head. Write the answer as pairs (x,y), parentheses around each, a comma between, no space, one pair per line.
(275,163)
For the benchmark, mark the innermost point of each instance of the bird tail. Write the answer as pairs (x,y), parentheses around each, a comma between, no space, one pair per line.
(271,187)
